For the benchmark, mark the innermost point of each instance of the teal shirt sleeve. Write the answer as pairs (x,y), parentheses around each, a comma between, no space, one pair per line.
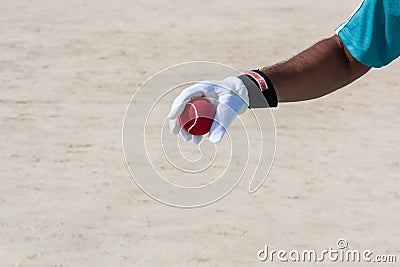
(372,32)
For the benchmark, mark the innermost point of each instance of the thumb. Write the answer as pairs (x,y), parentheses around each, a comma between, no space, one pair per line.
(217,132)
(224,116)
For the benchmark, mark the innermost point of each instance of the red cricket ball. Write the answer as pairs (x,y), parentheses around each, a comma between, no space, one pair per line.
(198,116)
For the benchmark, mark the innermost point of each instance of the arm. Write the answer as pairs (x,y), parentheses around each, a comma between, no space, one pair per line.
(319,70)
(315,72)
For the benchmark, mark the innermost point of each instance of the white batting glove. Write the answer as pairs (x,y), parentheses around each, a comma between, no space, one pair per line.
(230,98)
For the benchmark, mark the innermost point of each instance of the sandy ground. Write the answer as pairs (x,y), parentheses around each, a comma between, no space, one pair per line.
(67,72)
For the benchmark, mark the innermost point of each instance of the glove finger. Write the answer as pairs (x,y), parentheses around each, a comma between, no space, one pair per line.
(200,89)
(197,139)
(174,126)
(181,100)
(185,135)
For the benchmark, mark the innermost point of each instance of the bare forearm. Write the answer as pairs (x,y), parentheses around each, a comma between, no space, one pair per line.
(317,71)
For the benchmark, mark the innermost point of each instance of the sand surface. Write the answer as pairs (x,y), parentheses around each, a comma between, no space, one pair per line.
(67,72)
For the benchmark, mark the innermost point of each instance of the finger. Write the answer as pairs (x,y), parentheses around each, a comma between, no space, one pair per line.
(174,126)
(181,100)
(197,139)
(200,89)
(185,135)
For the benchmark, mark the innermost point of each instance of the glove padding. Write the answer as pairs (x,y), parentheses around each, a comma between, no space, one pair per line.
(229,97)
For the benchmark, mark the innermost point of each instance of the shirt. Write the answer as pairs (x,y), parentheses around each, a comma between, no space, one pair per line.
(372,32)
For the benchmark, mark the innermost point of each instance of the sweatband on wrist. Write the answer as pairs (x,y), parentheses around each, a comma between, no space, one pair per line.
(260,88)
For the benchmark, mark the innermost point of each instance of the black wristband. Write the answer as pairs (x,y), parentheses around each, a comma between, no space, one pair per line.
(260,88)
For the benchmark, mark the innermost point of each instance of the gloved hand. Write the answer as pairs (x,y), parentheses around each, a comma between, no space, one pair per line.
(230,98)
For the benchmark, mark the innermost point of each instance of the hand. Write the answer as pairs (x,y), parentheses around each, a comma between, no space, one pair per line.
(230,98)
